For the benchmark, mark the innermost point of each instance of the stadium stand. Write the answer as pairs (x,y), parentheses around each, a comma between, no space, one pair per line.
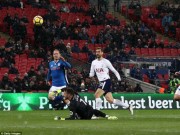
(76,28)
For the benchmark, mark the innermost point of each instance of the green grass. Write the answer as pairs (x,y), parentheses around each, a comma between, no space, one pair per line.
(144,122)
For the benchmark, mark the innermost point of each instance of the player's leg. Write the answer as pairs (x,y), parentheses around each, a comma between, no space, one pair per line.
(177,94)
(118,102)
(98,114)
(99,92)
(55,97)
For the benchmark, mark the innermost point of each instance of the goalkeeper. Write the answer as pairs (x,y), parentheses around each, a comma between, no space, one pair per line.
(79,109)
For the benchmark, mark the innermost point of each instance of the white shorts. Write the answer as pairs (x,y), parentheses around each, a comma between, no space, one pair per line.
(177,91)
(54,88)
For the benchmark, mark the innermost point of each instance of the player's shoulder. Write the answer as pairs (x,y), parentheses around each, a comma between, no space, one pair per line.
(51,62)
(94,61)
(105,60)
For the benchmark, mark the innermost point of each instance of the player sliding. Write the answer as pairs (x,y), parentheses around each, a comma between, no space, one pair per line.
(101,67)
(79,108)
(57,72)
(177,93)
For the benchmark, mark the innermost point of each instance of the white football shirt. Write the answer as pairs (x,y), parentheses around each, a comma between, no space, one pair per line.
(101,68)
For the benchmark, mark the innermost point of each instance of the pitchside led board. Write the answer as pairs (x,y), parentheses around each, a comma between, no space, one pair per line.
(39,101)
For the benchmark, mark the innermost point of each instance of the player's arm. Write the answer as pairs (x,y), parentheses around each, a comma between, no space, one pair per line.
(72,107)
(92,71)
(110,66)
(48,76)
(65,63)
(177,73)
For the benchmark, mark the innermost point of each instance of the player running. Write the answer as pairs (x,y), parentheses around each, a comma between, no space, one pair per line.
(79,109)
(177,93)
(57,71)
(101,67)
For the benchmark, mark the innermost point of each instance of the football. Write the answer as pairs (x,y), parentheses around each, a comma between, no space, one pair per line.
(38,20)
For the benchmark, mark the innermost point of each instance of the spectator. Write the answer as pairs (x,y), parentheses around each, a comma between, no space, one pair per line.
(86,24)
(31,72)
(17,86)
(5,83)
(5,63)
(91,56)
(61,47)
(161,44)
(74,9)
(138,74)
(13,70)
(132,51)
(75,48)
(25,85)
(138,88)
(64,8)
(116,5)
(85,48)
(24,19)
(68,47)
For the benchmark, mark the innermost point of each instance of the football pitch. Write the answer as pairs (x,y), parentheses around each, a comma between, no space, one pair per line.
(144,122)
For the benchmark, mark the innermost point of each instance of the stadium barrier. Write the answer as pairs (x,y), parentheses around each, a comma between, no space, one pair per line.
(39,101)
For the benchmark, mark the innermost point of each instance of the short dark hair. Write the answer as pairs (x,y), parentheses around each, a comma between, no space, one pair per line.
(56,50)
(99,48)
(69,90)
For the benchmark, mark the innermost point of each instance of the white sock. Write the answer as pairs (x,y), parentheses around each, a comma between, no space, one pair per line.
(98,103)
(120,103)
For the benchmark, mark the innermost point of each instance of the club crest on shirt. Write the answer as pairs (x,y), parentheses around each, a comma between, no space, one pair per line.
(99,70)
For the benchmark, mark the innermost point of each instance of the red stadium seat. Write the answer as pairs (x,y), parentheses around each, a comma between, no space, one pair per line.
(138,51)
(152,52)
(144,51)
(167,52)
(75,55)
(4,70)
(145,78)
(12,76)
(174,52)
(159,52)
(83,56)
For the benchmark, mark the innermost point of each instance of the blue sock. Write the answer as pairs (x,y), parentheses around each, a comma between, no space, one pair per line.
(58,98)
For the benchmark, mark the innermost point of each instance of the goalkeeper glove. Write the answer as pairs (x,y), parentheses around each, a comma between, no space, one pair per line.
(62,119)
(58,118)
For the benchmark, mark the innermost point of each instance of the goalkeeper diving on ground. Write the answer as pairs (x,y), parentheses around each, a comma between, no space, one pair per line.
(79,109)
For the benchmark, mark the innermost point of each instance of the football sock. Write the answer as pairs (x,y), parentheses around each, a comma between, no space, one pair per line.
(58,98)
(98,103)
(120,103)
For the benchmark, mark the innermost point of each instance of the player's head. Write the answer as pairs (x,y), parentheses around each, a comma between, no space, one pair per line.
(68,93)
(99,52)
(56,54)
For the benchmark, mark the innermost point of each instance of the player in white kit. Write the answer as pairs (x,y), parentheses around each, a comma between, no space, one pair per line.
(177,93)
(101,67)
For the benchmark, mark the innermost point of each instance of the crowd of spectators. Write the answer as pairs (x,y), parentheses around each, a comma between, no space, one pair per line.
(169,13)
(11,3)
(134,35)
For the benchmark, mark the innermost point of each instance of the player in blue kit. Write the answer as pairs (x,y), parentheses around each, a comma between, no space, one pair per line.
(57,71)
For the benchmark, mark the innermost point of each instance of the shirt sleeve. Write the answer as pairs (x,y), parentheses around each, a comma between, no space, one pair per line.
(49,73)
(109,65)
(66,64)
(92,72)
(72,108)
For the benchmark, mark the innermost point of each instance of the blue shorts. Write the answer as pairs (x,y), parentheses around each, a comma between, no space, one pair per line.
(106,86)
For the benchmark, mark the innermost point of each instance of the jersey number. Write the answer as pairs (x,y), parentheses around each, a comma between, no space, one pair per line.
(83,101)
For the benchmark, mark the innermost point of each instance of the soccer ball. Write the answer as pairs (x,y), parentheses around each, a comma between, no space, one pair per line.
(38,20)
